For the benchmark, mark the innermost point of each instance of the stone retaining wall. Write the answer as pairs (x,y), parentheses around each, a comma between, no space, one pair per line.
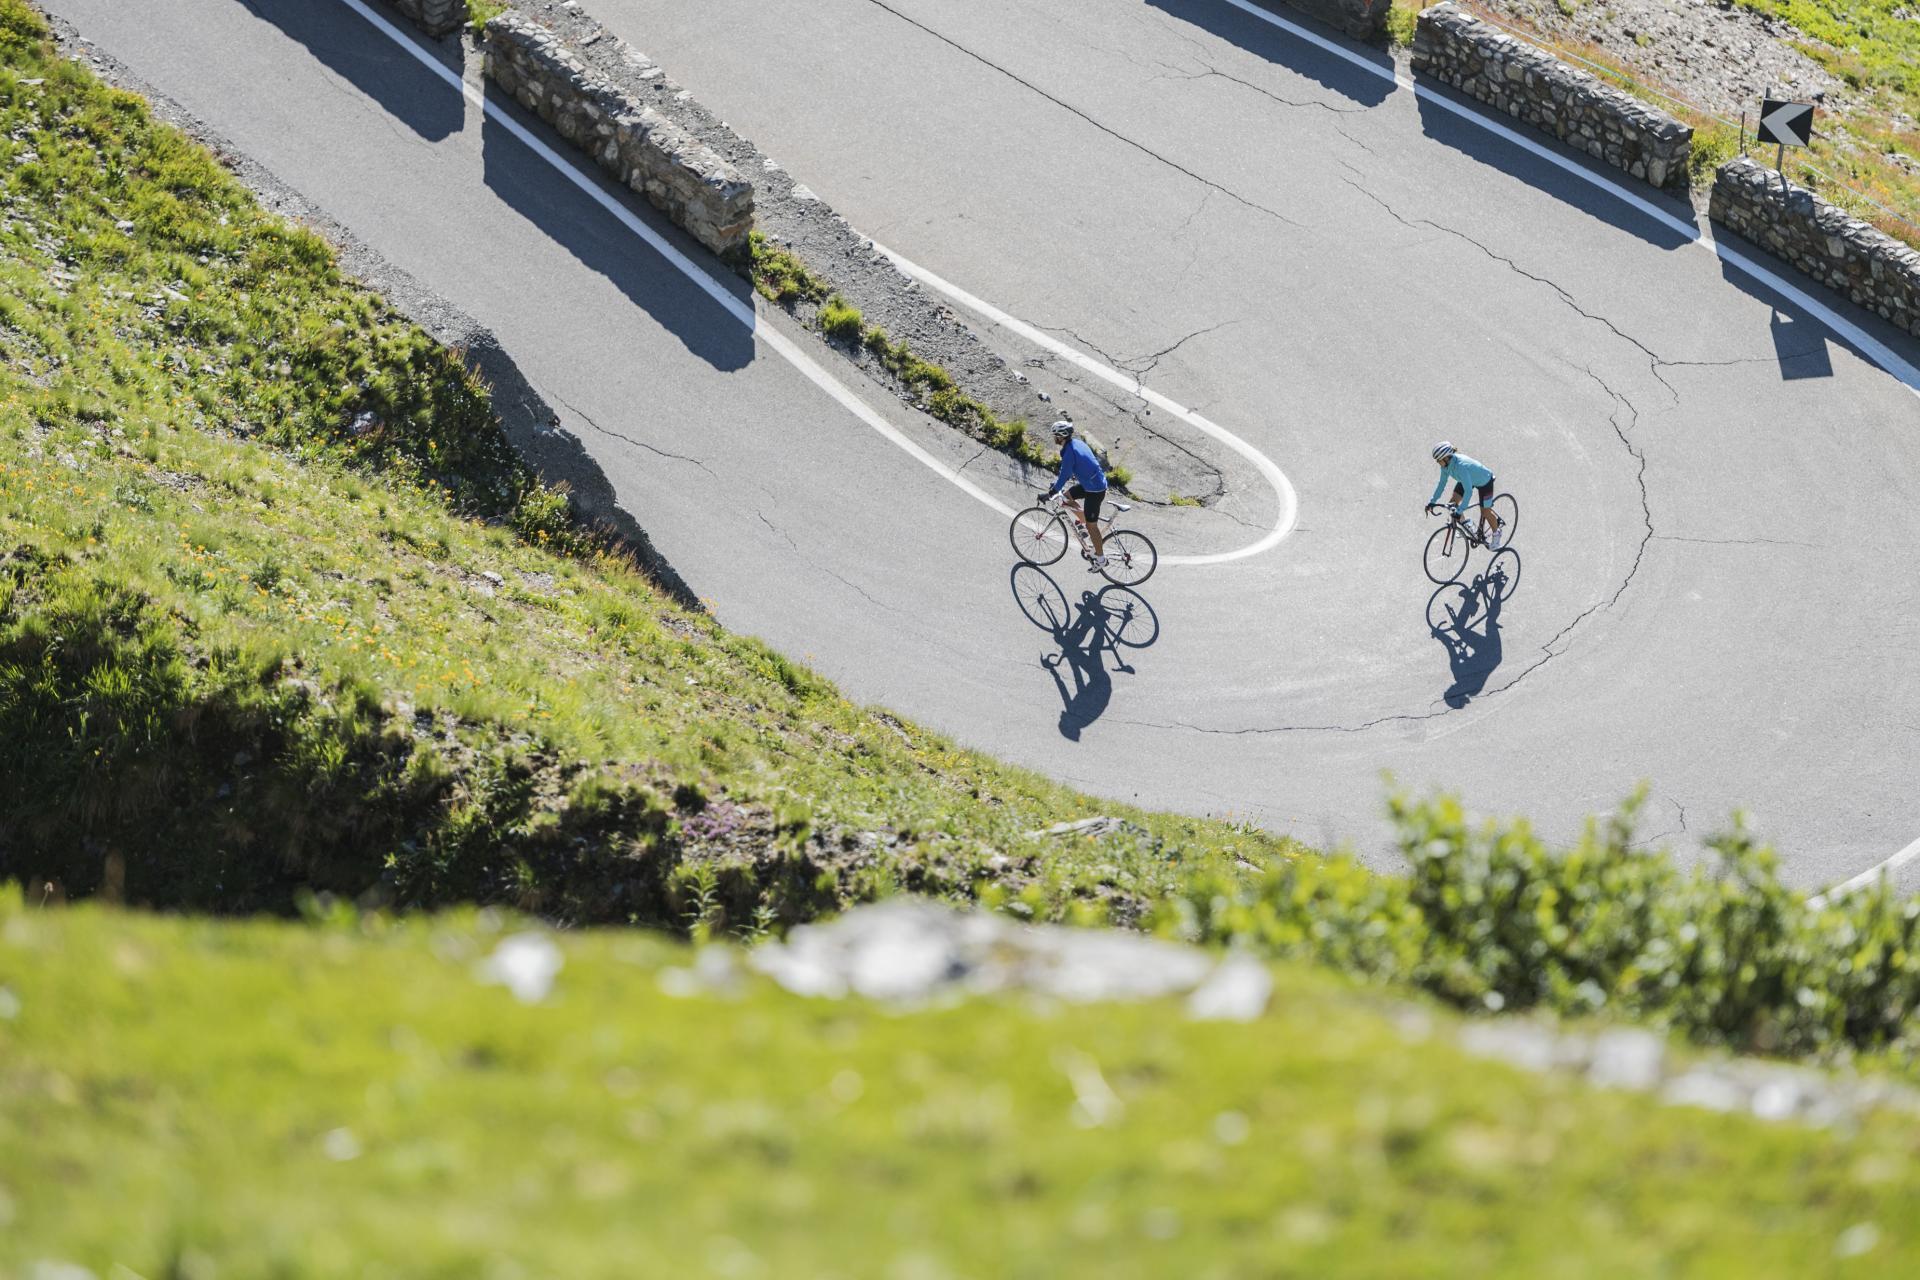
(435,17)
(1361,19)
(1532,85)
(657,158)
(1840,251)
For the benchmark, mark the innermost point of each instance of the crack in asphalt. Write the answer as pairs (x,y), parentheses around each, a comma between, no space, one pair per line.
(774,528)
(1355,141)
(1219,476)
(975,458)
(1152,361)
(1212,72)
(1139,366)
(616,435)
(1197,210)
(811,563)
(1068,107)
(1655,362)
(1736,542)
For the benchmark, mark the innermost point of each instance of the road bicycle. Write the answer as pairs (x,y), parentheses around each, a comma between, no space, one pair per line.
(1040,536)
(1452,544)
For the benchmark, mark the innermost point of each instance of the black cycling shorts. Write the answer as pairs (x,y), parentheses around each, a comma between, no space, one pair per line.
(1485,492)
(1089,502)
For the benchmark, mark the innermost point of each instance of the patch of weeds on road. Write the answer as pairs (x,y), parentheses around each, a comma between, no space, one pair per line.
(781,277)
(840,321)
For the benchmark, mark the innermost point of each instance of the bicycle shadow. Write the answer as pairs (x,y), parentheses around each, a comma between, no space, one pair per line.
(1089,634)
(1466,620)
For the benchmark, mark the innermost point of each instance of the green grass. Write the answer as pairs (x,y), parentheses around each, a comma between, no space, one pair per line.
(192,1098)
(481,12)
(248,640)
(781,277)
(840,321)
(281,610)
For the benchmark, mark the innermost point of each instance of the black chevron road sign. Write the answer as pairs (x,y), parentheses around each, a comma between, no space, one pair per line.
(1788,123)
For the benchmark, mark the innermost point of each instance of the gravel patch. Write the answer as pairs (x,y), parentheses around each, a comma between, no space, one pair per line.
(1717,56)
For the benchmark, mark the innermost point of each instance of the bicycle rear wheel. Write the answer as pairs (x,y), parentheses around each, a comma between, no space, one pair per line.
(1039,536)
(1446,554)
(1509,513)
(1131,558)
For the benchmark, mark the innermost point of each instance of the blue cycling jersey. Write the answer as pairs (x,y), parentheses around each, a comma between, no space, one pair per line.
(1079,466)
(1469,473)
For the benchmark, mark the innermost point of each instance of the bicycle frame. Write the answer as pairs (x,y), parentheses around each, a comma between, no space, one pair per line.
(1077,520)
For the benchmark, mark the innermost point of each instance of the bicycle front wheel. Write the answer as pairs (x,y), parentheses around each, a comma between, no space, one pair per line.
(1446,553)
(1039,536)
(1131,558)
(1508,512)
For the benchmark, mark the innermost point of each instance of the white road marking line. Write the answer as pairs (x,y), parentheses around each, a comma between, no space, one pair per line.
(1867,877)
(1875,350)
(740,311)
(820,377)
(1282,487)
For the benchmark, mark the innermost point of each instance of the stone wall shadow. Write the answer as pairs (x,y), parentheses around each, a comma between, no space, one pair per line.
(532,427)
(576,222)
(1800,340)
(1473,140)
(375,65)
(1276,45)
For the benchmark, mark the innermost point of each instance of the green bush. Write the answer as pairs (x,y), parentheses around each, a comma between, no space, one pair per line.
(1491,917)
(840,320)
(1713,146)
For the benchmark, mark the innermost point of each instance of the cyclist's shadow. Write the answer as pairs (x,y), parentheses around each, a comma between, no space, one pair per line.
(1466,620)
(1087,633)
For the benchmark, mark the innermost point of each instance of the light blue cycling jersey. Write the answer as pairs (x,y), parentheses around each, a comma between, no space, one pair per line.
(1079,466)
(1469,473)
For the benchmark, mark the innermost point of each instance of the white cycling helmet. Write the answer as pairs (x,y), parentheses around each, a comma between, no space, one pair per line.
(1442,451)
(1062,429)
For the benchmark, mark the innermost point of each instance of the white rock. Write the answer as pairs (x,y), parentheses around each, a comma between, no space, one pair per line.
(525,964)
(1237,991)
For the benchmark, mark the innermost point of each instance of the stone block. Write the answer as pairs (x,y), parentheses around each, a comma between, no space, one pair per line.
(655,158)
(1572,105)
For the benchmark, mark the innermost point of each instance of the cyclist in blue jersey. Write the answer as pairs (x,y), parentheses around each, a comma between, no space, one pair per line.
(1085,482)
(1469,477)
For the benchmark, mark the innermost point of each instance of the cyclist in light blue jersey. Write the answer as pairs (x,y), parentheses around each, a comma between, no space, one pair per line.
(1085,481)
(1469,477)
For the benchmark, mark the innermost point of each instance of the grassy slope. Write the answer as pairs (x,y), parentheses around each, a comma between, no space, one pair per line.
(249,645)
(168,1088)
(263,640)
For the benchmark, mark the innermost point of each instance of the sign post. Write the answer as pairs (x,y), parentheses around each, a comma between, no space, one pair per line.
(1786,124)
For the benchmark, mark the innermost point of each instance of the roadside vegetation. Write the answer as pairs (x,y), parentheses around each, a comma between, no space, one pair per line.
(279,606)
(195,1098)
(1867,145)
(281,611)
(782,278)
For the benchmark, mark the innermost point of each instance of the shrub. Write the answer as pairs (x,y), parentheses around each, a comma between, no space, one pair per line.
(779,275)
(840,321)
(1490,917)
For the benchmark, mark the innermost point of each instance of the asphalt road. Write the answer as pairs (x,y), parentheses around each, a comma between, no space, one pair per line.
(1718,494)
